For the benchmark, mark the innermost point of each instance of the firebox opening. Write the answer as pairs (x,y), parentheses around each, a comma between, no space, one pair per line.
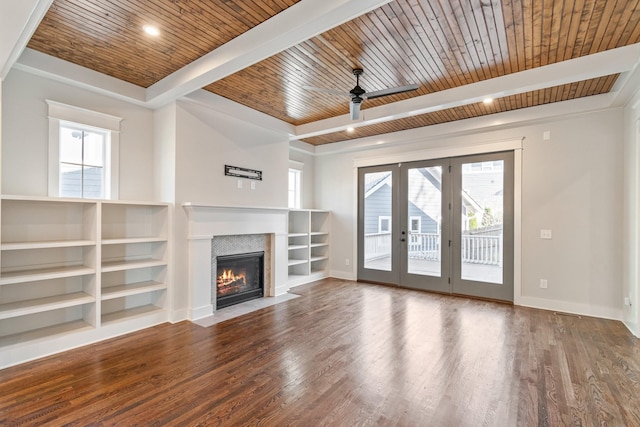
(239,278)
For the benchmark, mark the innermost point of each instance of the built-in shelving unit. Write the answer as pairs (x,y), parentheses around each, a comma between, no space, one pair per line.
(308,245)
(74,271)
(133,259)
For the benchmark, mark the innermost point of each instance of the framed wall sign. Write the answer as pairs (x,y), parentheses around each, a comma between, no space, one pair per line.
(242,172)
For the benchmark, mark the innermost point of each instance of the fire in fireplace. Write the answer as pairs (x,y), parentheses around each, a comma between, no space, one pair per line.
(239,278)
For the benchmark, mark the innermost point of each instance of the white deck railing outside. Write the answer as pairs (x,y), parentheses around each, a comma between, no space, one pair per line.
(476,249)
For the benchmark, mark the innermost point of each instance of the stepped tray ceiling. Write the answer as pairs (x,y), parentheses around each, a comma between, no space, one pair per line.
(261,53)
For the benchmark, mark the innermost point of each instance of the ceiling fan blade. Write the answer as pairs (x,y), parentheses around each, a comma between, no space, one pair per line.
(354,109)
(391,91)
(330,91)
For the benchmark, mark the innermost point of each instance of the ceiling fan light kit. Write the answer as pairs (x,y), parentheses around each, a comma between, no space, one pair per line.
(358,95)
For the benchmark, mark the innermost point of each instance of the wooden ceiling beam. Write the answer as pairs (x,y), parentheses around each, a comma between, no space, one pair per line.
(601,64)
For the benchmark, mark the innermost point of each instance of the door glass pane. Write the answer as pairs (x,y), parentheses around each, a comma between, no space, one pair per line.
(482,221)
(425,221)
(377,220)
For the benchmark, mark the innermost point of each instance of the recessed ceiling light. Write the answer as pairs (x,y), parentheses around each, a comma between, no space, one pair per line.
(487,100)
(151,30)
(350,130)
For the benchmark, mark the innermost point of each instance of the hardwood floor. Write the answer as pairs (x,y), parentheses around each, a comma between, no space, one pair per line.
(344,354)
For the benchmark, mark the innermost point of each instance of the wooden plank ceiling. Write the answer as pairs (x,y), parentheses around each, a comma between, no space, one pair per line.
(437,44)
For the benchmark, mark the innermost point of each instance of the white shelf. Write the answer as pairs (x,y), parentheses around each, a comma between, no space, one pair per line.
(9,278)
(129,240)
(313,226)
(294,247)
(46,244)
(129,289)
(298,234)
(129,313)
(47,332)
(130,265)
(47,199)
(39,305)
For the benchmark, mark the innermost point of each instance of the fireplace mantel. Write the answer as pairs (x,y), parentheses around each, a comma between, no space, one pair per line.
(205,221)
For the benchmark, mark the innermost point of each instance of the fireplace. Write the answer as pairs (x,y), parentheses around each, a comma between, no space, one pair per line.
(239,278)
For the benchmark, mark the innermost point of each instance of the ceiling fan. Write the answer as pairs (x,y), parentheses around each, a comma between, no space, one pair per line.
(357,94)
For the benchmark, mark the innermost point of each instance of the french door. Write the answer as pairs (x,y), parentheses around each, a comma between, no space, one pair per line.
(441,225)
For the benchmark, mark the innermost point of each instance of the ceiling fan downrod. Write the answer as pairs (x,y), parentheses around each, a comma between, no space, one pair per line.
(357,92)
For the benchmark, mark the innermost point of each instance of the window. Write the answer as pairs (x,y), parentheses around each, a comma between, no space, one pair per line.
(82,162)
(83,153)
(384,224)
(415,224)
(295,184)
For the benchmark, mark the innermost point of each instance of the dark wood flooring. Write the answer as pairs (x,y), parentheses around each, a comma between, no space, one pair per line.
(344,354)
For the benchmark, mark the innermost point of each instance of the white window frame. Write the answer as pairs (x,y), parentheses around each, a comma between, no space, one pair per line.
(382,218)
(411,219)
(297,168)
(61,114)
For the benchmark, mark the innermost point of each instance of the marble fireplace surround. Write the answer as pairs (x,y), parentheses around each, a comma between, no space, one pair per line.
(208,221)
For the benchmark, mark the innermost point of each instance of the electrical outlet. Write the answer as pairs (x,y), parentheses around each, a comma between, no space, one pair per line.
(253,185)
(545,234)
(546,135)
(347,261)
(627,301)
(543,283)
(239,183)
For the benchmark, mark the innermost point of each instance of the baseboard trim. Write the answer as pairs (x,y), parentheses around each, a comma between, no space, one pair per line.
(571,307)
(632,328)
(179,315)
(200,312)
(344,275)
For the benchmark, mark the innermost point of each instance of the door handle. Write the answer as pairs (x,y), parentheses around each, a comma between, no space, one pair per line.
(403,240)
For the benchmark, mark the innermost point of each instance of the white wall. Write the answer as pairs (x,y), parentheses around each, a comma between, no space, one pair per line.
(164,153)
(572,184)
(207,140)
(25,135)
(631,248)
